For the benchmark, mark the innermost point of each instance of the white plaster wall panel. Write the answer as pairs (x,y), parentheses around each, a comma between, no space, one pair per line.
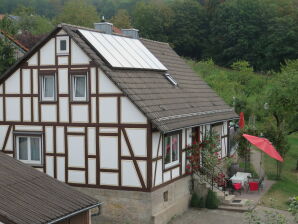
(143,168)
(9,143)
(47,53)
(108,110)
(124,147)
(61,32)
(35,109)
(63,60)
(33,60)
(61,168)
(79,113)
(1,89)
(130,113)
(28,128)
(48,113)
(93,109)
(155,141)
(76,151)
(106,85)
(108,130)
(63,80)
(91,171)
(108,146)
(49,139)
(224,147)
(208,127)
(12,84)
(3,131)
(129,174)
(76,129)
(77,55)
(27,109)
(26,81)
(92,141)
(183,162)
(1,110)
(138,140)
(60,140)
(109,179)
(50,165)
(175,172)
(35,81)
(167,176)
(76,176)
(63,109)
(13,108)
(225,128)
(93,80)
(183,139)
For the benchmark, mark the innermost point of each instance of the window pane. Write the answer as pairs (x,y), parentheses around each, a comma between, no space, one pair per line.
(63,45)
(49,87)
(23,148)
(80,85)
(35,152)
(167,150)
(175,150)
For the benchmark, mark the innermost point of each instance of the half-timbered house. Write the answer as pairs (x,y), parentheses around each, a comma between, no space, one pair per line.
(111,115)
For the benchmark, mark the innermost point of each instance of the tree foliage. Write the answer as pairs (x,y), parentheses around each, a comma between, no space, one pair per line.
(78,12)
(122,19)
(7,57)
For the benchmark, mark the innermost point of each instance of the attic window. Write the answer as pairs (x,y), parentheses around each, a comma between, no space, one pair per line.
(62,45)
(171,79)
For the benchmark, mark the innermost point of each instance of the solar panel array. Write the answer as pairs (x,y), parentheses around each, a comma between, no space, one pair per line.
(122,52)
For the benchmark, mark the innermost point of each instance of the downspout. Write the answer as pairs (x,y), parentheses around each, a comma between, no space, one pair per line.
(74,213)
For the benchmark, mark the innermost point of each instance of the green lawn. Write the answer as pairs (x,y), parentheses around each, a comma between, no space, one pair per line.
(288,185)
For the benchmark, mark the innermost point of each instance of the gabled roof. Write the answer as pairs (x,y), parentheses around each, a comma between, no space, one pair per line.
(168,107)
(29,196)
(14,41)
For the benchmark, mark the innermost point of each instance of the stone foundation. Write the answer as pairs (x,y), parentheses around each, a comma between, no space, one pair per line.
(134,207)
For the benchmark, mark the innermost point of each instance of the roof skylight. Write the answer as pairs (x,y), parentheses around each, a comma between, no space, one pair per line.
(171,79)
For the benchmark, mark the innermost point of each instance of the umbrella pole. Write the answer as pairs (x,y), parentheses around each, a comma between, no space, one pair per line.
(261,163)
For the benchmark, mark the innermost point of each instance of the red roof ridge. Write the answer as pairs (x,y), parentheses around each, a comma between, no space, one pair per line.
(14,40)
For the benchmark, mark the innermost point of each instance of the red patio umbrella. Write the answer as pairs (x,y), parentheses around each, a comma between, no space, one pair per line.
(265,145)
(241,120)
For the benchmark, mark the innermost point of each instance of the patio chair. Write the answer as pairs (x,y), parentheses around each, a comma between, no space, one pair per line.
(253,186)
(237,187)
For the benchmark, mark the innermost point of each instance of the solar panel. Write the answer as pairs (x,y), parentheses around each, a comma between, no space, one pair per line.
(122,52)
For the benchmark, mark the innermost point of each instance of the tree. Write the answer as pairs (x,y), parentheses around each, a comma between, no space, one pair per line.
(35,24)
(189,29)
(8,26)
(121,19)
(78,12)
(153,20)
(7,57)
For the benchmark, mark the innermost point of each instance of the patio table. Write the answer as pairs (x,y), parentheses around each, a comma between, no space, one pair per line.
(240,177)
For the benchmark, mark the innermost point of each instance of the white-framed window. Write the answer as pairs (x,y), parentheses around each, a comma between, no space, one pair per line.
(29,149)
(48,87)
(171,150)
(62,45)
(79,87)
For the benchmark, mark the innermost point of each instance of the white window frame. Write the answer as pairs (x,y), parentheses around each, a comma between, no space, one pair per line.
(42,87)
(29,161)
(172,163)
(79,99)
(58,42)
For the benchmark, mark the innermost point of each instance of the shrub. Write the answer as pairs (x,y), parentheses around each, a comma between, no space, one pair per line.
(202,203)
(212,200)
(194,201)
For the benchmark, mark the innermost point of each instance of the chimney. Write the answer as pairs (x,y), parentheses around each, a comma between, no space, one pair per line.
(104,26)
(134,33)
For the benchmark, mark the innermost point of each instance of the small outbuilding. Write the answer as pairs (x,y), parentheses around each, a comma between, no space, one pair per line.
(28,196)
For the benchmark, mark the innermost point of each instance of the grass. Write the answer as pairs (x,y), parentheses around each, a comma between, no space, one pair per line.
(288,185)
